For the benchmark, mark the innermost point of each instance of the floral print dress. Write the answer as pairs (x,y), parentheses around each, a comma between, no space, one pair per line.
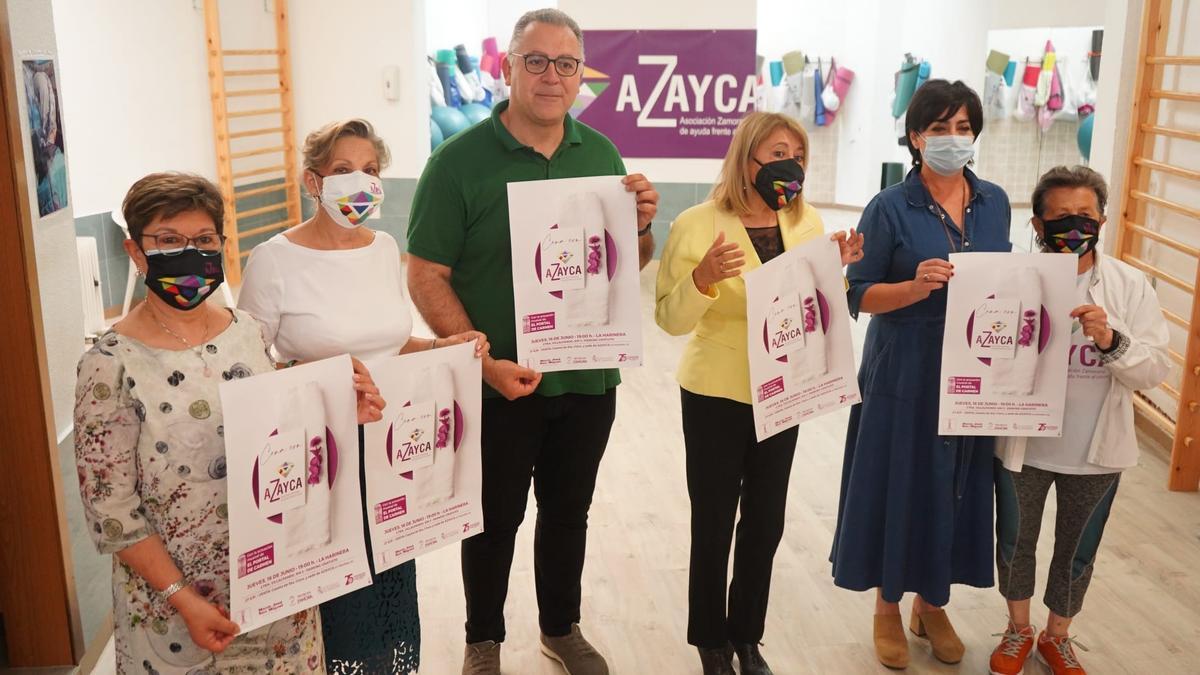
(151,460)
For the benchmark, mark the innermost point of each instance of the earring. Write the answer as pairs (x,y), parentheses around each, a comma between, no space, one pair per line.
(139,272)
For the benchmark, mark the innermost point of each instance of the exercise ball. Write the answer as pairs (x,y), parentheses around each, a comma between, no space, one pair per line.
(1084,137)
(450,120)
(476,112)
(435,134)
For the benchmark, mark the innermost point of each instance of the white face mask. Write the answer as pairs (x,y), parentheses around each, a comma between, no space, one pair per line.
(350,198)
(947,155)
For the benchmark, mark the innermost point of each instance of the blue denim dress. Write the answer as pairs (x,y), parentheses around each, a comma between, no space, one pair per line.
(915,511)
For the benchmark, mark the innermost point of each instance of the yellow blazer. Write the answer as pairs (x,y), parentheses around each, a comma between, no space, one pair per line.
(715,362)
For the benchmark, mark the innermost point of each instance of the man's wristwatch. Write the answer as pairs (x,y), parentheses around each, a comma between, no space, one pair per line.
(645,230)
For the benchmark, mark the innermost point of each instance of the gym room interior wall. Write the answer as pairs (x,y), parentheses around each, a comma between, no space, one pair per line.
(32,30)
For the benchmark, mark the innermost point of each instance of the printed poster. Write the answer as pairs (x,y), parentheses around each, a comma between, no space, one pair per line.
(1005,349)
(575,274)
(668,93)
(295,509)
(423,466)
(798,340)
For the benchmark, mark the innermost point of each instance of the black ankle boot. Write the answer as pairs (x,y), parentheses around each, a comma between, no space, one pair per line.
(751,660)
(717,661)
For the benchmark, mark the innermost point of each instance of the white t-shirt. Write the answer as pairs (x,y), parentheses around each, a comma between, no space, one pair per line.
(1088,382)
(316,304)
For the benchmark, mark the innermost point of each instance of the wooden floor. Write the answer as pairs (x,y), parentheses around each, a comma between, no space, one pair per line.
(1142,614)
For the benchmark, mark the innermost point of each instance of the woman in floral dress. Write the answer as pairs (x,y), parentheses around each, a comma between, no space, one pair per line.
(150,454)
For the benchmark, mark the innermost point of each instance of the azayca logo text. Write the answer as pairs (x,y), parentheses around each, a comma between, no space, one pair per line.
(787,332)
(287,482)
(673,92)
(563,267)
(994,337)
(416,445)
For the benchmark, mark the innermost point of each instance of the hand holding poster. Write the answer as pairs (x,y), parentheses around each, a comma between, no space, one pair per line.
(801,355)
(295,510)
(575,274)
(424,479)
(1005,349)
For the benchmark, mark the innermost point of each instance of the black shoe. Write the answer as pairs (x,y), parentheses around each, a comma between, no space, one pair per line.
(717,661)
(751,660)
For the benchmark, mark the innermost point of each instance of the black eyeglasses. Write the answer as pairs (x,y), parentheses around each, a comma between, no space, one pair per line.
(536,64)
(169,243)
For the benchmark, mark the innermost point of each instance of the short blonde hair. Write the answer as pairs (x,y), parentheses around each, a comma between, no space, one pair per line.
(733,189)
(318,145)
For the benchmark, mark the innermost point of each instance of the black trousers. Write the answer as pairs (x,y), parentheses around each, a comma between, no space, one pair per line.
(557,442)
(725,466)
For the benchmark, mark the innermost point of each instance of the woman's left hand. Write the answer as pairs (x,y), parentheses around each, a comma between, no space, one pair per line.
(1094,321)
(482,347)
(850,244)
(370,403)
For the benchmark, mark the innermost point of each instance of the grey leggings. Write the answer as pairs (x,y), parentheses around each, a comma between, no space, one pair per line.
(1083,506)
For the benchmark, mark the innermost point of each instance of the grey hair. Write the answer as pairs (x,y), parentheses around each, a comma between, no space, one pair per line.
(1074,177)
(549,15)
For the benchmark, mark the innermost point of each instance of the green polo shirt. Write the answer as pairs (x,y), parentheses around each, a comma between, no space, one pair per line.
(460,219)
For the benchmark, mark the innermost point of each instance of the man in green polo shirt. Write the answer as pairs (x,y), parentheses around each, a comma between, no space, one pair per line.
(550,428)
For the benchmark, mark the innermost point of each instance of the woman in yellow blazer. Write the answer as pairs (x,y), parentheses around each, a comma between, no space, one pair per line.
(755,212)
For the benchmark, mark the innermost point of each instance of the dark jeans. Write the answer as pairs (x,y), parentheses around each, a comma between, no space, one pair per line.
(558,442)
(725,465)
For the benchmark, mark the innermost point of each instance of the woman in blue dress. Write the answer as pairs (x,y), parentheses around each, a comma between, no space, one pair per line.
(915,511)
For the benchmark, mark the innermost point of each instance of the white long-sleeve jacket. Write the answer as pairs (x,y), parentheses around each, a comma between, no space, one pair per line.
(1140,361)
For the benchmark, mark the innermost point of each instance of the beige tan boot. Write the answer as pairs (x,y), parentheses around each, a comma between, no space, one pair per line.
(935,626)
(891,645)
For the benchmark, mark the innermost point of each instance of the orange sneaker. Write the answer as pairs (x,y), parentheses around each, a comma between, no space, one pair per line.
(1057,654)
(1014,648)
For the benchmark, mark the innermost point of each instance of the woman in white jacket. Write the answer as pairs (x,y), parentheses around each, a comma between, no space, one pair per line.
(1119,345)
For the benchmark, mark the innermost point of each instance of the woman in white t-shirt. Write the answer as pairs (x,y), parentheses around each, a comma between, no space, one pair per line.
(1118,345)
(332,286)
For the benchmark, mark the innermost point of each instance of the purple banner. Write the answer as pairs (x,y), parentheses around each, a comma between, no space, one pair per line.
(667,93)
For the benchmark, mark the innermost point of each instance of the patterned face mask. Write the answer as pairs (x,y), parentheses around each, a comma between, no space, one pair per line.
(1070,234)
(779,182)
(185,279)
(350,198)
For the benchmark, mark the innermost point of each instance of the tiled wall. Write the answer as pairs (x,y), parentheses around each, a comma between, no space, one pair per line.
(1014,153)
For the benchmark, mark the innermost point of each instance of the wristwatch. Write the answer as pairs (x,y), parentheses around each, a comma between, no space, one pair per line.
(174,588)
(645,230)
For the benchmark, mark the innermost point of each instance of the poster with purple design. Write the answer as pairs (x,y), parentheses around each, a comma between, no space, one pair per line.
(294,506)
(575,274)
(667,93)
(798,338)
(1007,343)
(422,460)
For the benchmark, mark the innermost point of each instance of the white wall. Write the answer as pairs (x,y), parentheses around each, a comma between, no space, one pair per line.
(31,27)
(664,15)
(1053,13)
(337,72)
(135,94)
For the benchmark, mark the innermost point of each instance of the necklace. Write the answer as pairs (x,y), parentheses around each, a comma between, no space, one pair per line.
(940,212)
(195,349)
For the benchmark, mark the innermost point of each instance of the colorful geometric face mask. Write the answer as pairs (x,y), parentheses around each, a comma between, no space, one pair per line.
(350,198)
(1070,234)
(779,182)
(183,280)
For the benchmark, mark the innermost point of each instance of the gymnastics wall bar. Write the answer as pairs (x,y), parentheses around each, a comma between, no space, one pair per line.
(1139,205)
(258,182)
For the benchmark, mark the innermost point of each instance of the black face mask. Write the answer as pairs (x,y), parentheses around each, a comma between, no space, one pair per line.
(779,182)
(1070,234)
(184,280)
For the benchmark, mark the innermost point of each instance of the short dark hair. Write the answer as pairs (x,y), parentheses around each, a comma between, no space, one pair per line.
(549,15)
(168,194)
(937,101)
(1073,177)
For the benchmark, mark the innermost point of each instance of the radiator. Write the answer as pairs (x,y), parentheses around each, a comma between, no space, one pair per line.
(89,286)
